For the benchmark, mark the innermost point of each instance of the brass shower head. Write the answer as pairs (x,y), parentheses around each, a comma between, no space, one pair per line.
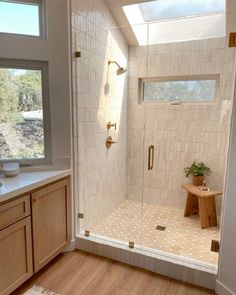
(120,70)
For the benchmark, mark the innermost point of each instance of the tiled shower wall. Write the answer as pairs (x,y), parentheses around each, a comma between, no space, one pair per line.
(180,134)
(99,96)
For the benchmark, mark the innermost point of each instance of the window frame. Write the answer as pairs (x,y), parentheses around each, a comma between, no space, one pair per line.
(42,19)
(142,81)
(44,68)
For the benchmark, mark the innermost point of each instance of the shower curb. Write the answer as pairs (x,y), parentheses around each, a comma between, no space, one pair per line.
(198,275)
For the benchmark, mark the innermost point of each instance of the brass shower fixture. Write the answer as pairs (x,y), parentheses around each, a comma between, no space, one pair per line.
(109,125)
(120,70)
(109,142)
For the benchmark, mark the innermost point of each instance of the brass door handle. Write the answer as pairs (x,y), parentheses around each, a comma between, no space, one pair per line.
(109,142)
(150,157)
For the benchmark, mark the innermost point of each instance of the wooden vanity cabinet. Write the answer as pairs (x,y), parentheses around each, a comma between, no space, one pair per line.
(14,211)
(34,228)
(15,255)
(51,221)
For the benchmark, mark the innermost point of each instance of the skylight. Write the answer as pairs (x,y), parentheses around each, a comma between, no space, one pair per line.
(164,21)
(167,9)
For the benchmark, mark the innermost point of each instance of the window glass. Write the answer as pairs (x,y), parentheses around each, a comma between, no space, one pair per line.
(21,114)
(181,90)
(165,21)
(167,9)
(20,18)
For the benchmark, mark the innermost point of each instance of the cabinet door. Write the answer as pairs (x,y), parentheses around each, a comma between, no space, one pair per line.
(51,208)
(15,255)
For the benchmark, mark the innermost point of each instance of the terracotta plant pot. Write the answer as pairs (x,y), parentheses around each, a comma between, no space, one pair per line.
(197,180)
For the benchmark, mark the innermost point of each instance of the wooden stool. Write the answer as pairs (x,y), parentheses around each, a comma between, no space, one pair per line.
(202,202)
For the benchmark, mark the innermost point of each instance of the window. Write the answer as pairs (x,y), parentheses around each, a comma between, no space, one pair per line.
(24,112)
(181,90)
(164,21)
(21,17)
(169,9)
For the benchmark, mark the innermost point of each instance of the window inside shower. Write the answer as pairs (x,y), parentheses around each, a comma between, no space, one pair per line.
(131,156)
(179,89)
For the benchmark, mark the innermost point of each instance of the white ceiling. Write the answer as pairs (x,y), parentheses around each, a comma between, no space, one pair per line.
(118,14)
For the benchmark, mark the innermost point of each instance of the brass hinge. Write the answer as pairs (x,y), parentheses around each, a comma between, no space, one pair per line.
(232,39)
(78,54)
(215,246)
(80,215)
(87,233)
(131,244)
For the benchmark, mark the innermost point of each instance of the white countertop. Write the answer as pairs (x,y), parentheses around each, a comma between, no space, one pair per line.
(27,181)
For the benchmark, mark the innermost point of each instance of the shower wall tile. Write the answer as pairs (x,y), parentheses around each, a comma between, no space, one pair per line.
(99,96)
(180,134)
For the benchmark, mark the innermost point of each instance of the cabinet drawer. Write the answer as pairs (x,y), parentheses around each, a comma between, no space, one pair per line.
(14,211)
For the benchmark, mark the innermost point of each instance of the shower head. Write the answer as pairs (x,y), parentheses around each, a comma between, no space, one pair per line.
(121,70)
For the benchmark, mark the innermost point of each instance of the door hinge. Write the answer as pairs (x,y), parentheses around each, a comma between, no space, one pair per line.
(78,54)
(232,39)
(131,244)
(80,215)
(215,246)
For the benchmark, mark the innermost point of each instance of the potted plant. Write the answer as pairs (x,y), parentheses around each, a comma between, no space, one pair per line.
(198,170)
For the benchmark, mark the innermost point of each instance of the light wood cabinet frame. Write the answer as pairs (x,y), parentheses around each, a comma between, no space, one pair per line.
(51,221)
(14,211)
(34,228)
(15,255)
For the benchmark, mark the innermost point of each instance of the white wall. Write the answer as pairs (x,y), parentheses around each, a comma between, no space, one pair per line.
(99,96)
(56,50)
(226,281)
(227,263)
(230,16)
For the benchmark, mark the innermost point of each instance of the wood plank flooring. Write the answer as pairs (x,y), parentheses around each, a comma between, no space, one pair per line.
(80,273)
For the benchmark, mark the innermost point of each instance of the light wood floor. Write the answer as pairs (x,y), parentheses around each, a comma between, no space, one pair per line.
(78,273)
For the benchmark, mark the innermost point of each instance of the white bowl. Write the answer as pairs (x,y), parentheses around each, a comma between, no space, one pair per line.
(11,169)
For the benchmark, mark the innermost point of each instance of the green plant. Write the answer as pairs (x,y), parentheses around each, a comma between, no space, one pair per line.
(197,169)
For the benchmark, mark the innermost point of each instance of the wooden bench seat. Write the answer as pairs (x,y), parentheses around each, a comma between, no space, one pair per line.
(202,203)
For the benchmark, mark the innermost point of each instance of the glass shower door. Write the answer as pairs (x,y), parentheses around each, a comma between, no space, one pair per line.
(110,140)
(164,227)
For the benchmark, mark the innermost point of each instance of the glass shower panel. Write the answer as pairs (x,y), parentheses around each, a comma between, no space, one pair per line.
(111,126)
(194,127)
(136,130)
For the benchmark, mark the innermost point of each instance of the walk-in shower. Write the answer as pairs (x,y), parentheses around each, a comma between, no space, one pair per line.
(175,98)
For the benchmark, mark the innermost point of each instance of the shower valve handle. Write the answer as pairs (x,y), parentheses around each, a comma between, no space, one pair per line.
(109,125)
(109,142)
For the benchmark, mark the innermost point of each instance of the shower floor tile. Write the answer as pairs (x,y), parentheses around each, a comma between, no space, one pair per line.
(182,236)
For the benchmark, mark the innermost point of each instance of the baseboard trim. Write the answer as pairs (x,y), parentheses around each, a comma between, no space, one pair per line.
(154,263)
(222,290)
(70,247)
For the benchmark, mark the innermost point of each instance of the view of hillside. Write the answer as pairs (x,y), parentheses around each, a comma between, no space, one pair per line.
(21,120)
